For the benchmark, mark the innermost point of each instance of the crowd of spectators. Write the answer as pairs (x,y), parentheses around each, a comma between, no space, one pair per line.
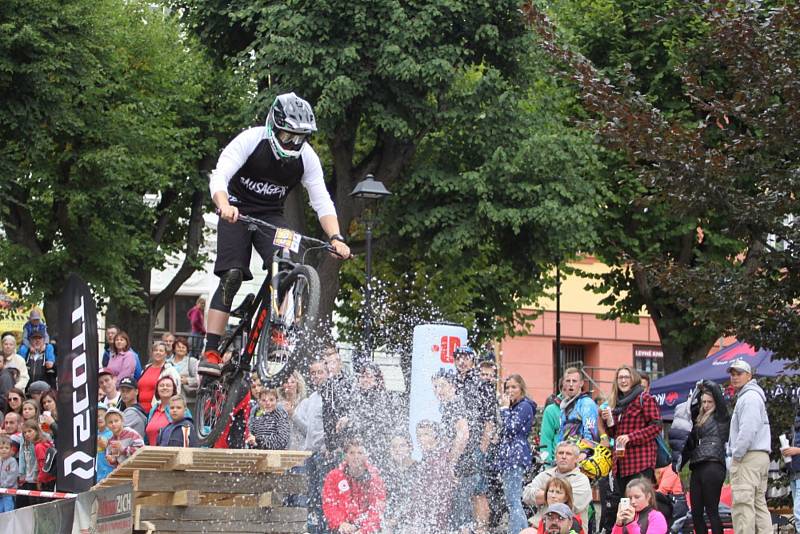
(137,404)
(480,466)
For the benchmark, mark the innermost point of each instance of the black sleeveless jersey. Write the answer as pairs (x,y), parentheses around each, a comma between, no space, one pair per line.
(261,185)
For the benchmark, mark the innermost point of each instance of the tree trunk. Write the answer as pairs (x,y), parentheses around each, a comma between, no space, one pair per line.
(683,343)
(51,303)
(137,322)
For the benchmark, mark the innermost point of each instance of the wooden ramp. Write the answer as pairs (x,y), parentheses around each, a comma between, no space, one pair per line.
(185,490)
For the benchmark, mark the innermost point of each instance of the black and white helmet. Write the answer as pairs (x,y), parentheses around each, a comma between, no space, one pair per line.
(290,123)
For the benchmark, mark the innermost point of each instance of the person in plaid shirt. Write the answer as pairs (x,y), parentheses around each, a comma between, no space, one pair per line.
(633,420)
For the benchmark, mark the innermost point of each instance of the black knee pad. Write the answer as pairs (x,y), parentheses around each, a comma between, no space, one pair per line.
(229,284)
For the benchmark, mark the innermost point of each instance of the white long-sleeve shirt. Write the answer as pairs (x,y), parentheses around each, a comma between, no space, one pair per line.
(237,153)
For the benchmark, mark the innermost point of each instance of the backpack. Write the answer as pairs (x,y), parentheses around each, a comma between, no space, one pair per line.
(663,452)
(50,466)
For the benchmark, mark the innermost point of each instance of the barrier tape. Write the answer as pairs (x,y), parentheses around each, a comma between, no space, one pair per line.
(37,493)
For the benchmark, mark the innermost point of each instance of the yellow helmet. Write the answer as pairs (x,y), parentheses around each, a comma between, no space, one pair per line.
(597,463)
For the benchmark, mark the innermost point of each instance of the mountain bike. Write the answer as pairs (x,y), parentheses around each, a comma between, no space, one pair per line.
(274,331)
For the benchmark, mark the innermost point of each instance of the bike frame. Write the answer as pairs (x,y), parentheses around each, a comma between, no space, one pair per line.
(266,305)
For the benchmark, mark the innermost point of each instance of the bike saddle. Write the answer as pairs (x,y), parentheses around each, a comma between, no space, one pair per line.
(242,309)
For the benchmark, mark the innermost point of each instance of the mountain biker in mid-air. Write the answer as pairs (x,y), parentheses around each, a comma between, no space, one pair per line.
(254,175)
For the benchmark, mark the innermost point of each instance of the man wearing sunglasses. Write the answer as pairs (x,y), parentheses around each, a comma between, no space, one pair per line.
(254,175)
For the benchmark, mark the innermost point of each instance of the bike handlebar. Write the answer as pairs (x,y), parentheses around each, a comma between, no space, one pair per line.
(259,222)
(324,244)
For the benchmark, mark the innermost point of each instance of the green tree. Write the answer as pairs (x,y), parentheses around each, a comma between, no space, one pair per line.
(380,74)
(107,118)
(495,198)
(704,167)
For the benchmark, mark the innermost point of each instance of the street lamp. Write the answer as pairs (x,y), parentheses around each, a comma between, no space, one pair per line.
(370,190)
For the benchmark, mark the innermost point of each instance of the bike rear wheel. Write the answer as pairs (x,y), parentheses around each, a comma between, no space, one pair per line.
(283,346)
(216,400)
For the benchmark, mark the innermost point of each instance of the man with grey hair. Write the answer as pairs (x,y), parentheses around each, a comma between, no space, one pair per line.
(567,468)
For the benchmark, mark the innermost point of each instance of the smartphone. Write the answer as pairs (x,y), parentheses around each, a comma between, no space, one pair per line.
(625,502)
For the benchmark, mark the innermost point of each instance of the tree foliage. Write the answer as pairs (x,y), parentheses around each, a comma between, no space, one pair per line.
(705,170)
(106,117)
(495,198)
(380,75)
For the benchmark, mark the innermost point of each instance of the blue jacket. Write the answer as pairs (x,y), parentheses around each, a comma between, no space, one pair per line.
(49,353)
(578,418)
(514,450)
(172,435)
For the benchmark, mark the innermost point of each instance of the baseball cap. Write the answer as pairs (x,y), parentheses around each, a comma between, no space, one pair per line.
(104,371)
(35,333)
(128,382)
(561,509)
(35,315)
(741,365)
(114,410)
(463,351)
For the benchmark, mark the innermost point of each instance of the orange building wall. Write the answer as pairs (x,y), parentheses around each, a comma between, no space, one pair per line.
(608,344)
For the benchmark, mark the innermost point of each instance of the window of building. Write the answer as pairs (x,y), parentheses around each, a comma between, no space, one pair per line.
(571,356)
(172,317)
(650,360)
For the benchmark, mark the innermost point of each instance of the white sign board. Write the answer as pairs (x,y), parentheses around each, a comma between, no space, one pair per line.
(433,350)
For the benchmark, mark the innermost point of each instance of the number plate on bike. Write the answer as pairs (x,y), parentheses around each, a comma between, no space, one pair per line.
(285,238)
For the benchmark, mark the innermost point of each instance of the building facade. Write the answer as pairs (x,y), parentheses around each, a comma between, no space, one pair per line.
(597,345)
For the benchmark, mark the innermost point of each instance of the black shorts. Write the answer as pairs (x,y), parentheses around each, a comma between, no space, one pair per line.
(235,243)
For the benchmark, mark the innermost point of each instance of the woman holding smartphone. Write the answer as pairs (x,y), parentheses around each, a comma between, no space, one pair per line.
(637,512)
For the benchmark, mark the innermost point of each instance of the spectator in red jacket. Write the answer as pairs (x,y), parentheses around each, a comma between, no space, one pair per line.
(353,495)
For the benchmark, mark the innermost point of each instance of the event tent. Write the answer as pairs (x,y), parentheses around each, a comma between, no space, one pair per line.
(673,389)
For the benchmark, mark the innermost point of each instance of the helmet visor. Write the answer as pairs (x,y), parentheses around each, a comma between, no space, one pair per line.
(290,140)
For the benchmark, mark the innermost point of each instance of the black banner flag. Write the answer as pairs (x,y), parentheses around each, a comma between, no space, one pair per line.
(77,367)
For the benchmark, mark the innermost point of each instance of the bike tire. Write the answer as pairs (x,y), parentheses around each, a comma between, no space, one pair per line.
(274,374)
(223,393)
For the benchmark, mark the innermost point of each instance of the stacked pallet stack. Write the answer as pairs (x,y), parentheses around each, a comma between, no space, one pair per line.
(213,490)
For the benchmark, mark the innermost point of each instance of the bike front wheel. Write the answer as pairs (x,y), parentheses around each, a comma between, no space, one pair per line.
(216,400)
(287,342)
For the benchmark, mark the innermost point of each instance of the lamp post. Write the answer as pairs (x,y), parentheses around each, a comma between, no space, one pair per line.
(559,360)
(370,190)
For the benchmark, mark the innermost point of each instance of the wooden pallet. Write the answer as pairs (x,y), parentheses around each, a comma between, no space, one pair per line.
(212,490)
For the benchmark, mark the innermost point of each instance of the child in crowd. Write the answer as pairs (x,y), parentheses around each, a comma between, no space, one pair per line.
(30,410)
(44,480)
(124,440)
(9,471)
(640,516)
(181,432)
(432,482)
(103,435)
(398,478)
(28,472)
(269,424)
(36,478)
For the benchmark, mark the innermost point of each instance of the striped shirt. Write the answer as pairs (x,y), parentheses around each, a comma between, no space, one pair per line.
(271,429)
